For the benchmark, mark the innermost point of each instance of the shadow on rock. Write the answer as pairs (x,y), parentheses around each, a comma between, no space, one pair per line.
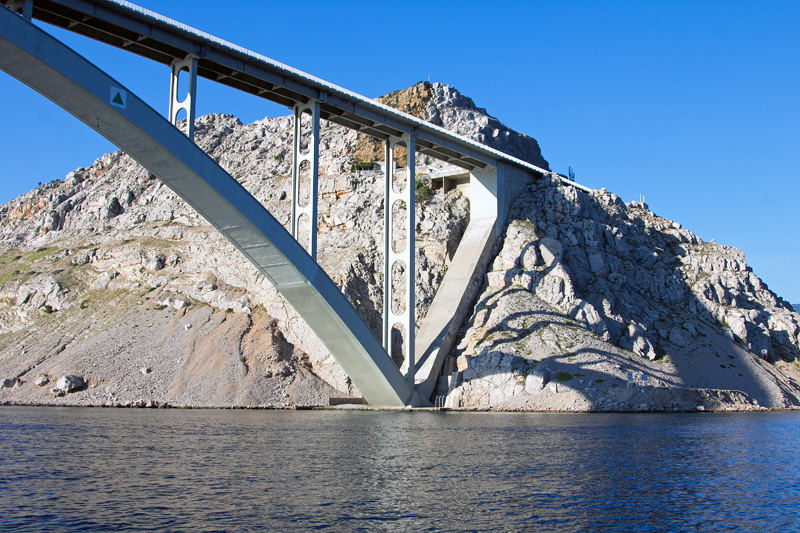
(592,304)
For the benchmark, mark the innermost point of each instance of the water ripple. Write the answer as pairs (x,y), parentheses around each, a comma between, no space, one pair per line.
(177,470)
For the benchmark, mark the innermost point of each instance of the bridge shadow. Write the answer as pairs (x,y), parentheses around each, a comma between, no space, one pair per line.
(649,318)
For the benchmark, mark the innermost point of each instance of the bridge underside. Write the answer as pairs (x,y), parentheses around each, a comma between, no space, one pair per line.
(54,70)
(166,41)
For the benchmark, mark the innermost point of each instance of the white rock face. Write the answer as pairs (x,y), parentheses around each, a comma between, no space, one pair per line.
(41,291)
(454,111)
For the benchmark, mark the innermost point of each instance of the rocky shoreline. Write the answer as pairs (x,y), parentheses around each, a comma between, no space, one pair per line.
(691,401)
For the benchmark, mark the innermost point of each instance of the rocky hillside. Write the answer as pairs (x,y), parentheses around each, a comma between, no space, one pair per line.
(591,304)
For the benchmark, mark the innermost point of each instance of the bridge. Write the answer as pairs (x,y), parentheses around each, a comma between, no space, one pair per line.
(31,55)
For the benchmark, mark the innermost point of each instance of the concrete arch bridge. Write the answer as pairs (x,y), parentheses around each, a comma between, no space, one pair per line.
(31,55)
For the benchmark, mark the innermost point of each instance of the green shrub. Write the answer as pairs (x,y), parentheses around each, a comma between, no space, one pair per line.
(422,190)
(362,166)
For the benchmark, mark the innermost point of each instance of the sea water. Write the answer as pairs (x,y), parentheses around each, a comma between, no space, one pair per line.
(92,469)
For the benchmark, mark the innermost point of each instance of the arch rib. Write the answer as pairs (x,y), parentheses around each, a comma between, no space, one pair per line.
(57,72)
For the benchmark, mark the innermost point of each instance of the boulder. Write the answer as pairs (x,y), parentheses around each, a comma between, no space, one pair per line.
(70,383)
(536,381)
(41,291)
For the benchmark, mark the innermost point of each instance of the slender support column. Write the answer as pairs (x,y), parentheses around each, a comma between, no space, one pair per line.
(188,104)
(387,245)
(397,253)
(311,155)
(23,7)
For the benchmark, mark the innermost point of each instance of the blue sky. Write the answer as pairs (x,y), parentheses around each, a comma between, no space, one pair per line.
(693,104)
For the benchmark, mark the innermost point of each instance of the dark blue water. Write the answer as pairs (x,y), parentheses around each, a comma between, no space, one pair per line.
(70,469)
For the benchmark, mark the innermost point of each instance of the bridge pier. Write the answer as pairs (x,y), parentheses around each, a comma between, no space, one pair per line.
(491,192)
(399,197)
(189,101)
(309,157)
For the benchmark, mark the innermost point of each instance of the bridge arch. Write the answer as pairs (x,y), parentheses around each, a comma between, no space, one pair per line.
(60,74)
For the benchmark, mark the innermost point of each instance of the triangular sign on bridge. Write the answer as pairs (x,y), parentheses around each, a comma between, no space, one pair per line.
(118,97)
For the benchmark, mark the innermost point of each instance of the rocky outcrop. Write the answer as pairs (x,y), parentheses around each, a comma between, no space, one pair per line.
(444,106)
(591,296)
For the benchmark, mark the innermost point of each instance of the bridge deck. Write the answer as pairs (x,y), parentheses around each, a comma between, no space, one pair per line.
(138,30)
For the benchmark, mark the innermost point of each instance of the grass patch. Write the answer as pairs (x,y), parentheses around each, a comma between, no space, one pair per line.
(564,376)
(69,277)
(44,251)
(15,266)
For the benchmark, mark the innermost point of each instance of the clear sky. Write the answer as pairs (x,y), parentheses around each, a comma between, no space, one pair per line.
(693,104)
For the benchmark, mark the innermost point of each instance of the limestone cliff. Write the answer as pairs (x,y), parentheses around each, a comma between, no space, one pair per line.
(591,304)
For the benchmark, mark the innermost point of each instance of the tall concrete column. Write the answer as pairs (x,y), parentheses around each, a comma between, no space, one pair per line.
(311,157)
(188,103)
(399,251)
